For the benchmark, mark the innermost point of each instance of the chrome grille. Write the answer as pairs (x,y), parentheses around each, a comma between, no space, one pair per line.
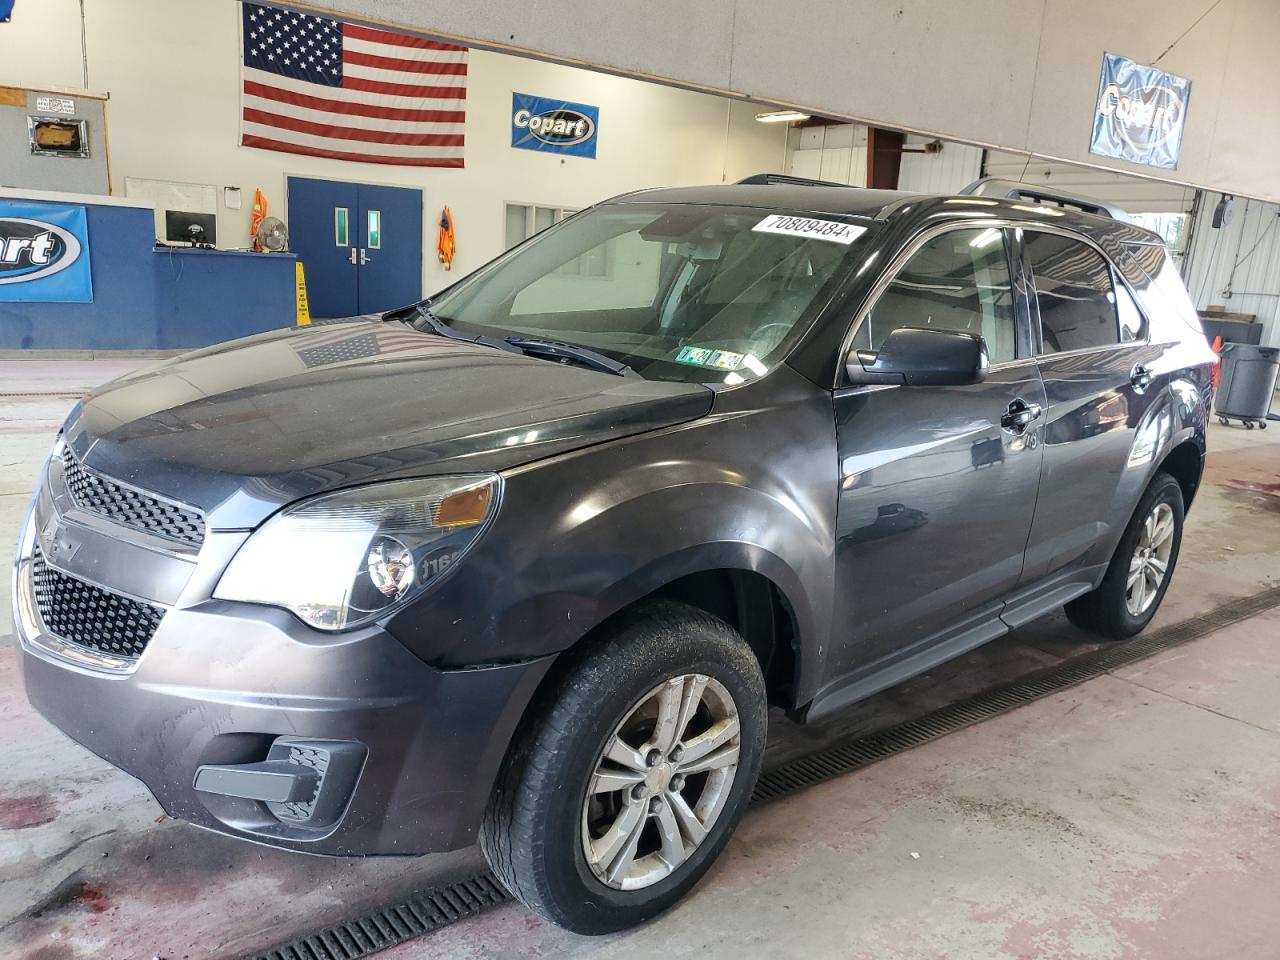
(89,616)
(128,507)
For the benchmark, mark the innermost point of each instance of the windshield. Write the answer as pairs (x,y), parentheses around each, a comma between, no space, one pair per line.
(676,292)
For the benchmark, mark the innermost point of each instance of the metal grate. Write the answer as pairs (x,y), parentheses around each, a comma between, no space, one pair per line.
(426,913)
(129,507)
(384,928)
(89,616)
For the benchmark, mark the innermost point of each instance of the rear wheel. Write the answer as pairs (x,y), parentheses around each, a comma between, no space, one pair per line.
(621,794)
(1140,569)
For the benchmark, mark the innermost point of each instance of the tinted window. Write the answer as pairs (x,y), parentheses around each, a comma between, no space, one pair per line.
(1132,324)
(1073,290)
(956,281)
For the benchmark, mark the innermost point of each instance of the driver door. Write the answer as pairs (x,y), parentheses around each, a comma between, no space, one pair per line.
(937,483)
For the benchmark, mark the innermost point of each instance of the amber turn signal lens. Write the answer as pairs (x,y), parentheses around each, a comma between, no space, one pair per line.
(464,509)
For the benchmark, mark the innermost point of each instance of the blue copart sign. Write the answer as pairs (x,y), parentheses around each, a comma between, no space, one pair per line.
(554,126)
(44,254)
(6,8)
(1140,113)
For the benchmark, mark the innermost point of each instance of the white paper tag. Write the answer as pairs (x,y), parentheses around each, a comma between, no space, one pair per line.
(832,230)
(63,105)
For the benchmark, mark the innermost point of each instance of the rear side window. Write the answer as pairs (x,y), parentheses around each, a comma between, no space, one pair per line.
(955,281)
(1073,291)
(1132,324)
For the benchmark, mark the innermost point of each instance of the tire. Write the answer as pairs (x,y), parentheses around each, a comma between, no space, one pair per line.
(545,837)
(1107,610)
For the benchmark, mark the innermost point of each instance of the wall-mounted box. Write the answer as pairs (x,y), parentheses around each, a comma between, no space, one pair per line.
(42,129)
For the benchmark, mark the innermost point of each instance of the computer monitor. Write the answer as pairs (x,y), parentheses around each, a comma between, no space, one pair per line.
(183,227)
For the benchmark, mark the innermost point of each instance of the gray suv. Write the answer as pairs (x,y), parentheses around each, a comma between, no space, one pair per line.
(527,563)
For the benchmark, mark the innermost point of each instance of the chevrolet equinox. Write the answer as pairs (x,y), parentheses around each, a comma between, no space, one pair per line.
(528,562)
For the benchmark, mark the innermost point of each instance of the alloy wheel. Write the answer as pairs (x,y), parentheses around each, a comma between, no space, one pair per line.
(661,782)
(1149,564)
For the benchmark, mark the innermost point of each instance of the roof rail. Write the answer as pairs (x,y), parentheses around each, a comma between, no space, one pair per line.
(1012,190)
(772,179)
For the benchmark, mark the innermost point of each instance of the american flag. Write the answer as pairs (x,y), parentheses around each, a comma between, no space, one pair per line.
(325,88)
(357,341)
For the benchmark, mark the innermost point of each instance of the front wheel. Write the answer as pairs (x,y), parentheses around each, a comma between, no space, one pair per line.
(640,762)
(1140,569)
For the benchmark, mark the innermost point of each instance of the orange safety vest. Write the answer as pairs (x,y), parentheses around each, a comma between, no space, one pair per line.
(446,244)
(259,214)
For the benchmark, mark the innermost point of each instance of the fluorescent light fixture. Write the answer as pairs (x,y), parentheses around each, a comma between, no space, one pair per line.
(781,116)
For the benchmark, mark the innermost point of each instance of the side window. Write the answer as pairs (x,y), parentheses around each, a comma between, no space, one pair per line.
(1133,325)
(1074,293)
(955,281)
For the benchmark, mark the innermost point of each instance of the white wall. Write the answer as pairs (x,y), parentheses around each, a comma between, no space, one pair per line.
(1010,74)
(172,70)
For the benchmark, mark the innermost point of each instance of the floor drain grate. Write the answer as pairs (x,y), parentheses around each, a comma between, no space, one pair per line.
(427,912)
(386,927)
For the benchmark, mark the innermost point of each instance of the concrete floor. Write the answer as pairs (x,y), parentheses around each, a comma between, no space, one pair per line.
(1135,816)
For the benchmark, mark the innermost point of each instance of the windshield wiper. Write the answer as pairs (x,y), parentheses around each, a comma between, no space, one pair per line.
(436,325)
(559,350)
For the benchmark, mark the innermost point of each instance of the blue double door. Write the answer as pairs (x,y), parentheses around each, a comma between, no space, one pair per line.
(361,245)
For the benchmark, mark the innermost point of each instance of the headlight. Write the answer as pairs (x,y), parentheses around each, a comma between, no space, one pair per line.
(344,559)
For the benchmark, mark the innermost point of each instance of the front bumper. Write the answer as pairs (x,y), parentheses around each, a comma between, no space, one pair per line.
(219,682)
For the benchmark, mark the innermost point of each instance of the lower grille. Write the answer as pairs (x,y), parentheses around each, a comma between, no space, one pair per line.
(89,616)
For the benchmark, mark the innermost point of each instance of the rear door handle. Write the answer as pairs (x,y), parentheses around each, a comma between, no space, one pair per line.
(1140,376)
(1019,415)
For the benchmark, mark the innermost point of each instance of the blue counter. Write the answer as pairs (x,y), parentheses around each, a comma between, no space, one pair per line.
(146,297)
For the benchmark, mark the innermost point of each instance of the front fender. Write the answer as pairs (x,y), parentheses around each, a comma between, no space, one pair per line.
(580,536)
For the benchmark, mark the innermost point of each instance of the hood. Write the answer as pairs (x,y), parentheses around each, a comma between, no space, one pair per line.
(240,429)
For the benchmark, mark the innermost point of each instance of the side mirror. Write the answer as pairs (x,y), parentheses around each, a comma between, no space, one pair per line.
(920,356)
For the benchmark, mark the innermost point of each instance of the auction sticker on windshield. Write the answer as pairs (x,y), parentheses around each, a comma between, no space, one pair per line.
(832,230)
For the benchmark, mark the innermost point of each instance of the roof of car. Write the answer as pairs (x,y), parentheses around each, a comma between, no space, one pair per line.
(851,201)
(842,200)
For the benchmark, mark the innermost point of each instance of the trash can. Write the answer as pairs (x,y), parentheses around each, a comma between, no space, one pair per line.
(1248,383)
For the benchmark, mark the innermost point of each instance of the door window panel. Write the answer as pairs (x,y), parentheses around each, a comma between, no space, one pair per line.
(1073,291)
(955,281)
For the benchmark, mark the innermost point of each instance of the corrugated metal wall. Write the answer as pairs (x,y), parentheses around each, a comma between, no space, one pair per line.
(1238,266)
(837,153)
(956,166)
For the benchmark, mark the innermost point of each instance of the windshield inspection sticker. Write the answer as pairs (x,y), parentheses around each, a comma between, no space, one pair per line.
(702,357)
(832,230)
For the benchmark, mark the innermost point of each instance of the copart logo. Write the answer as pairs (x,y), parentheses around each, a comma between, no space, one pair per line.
(562,127)
(1144,118)
(31,249)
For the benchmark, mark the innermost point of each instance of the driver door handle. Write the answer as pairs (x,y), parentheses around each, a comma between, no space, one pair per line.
(1019,415)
